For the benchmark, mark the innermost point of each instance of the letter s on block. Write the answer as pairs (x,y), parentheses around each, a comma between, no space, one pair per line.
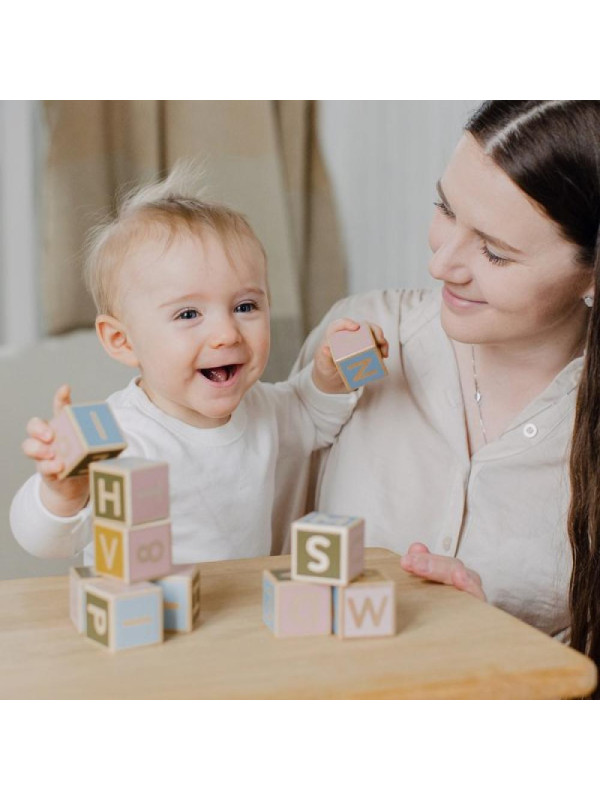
(321,561)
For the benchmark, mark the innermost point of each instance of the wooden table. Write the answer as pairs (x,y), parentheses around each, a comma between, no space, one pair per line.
(448,645)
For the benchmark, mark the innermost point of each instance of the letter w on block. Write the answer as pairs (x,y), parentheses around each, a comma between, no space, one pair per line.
(358,615)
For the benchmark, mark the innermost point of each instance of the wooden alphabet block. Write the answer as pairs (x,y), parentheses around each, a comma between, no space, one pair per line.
(85,433)
(366,607)
(130,490)
(357,356)
(120,617)
(133,553)
(79,577)
(327,548)
(295,609)
(181,598)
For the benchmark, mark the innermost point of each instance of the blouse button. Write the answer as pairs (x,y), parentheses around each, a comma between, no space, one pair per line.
(447,543)
(530,430)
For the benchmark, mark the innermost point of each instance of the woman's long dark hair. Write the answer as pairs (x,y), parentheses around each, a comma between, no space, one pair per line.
(551,150)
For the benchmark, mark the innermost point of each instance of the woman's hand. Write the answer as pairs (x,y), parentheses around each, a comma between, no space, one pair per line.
(441,569)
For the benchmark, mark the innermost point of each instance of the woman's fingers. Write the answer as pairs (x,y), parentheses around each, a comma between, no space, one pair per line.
(442,569)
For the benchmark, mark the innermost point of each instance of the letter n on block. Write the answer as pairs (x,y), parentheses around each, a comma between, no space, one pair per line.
(357,356)
(366,607)
(295,609)
(327,548)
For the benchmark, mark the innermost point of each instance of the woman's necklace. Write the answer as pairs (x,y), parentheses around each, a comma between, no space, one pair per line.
(478,395)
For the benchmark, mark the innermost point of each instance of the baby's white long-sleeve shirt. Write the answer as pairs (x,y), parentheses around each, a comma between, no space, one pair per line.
(222,480)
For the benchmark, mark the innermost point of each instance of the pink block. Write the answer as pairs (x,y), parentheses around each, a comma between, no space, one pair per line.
(68,445)
(295,609)
(346,343)
(149,552)
(150,494)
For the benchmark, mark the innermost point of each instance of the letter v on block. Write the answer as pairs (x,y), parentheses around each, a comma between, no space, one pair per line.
(109,552)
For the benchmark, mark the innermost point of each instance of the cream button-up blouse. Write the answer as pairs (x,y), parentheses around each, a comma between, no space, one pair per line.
(402,462)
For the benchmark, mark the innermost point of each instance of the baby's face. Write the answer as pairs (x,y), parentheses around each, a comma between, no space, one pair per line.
(198,321)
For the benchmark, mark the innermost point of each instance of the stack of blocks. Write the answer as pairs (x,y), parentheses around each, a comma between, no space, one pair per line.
(133,594)
(328,590)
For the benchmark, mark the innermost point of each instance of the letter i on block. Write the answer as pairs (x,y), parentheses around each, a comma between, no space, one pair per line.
(86,433)
(357,356)
(327,548)
(366,607)
(132,532)
(120,617)
(295,609)
(181,596)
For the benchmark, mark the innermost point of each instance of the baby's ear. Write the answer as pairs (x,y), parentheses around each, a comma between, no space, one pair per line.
(115,340)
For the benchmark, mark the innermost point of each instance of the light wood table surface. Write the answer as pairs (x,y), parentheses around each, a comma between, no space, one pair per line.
(448,645)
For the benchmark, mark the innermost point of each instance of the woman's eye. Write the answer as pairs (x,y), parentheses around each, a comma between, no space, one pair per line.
(444,209)
(188,313)
(245,308)
(492,257)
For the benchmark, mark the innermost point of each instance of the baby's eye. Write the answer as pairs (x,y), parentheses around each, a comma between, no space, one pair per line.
(187,313)
(245,308)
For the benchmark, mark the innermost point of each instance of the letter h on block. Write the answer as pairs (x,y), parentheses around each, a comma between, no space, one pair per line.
(357,356)
(327,548)
(86,433)
(132,532)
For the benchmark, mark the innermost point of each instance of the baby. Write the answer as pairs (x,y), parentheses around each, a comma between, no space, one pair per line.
(181,291)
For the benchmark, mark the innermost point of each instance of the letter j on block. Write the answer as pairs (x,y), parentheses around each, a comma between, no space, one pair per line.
(327,548)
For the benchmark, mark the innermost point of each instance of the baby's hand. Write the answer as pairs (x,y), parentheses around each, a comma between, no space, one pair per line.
(62,497)
(325,373)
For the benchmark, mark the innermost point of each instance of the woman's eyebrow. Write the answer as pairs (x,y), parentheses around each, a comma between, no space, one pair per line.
(492,239)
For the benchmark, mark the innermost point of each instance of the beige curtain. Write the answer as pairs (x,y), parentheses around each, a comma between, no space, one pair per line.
(261,157)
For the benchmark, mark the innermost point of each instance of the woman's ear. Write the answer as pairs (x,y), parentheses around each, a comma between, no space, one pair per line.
(113,336)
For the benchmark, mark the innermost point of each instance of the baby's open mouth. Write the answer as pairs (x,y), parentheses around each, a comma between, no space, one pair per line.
(220,374)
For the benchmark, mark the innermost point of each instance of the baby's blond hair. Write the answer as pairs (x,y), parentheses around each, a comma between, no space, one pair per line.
(164,208)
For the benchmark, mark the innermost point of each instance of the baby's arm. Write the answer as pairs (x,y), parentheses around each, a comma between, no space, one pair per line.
(66,497)
(325,373)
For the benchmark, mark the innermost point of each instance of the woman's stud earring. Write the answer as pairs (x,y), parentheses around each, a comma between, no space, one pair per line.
(588,300)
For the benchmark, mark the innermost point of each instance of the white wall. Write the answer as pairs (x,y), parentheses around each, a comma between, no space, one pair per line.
(384,158)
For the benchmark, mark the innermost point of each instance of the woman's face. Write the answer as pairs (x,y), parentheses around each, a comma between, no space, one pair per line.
(509,276)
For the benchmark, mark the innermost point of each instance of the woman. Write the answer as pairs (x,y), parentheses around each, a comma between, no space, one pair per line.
(459,459)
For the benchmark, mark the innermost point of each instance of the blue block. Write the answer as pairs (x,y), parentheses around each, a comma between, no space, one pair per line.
(138,620)
(98,425)
(362,368)
(268,604)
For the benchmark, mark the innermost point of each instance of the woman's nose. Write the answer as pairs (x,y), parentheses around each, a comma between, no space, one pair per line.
(451,257)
